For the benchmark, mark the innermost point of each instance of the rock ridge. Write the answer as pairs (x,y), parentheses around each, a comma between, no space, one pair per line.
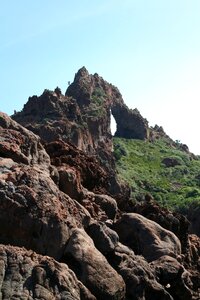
(67,228)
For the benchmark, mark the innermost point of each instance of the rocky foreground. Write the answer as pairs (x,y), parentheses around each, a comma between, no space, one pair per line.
(68,230)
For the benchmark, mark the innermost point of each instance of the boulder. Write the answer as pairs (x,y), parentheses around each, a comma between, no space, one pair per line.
(26,275)
(104,238)
(141,282)
(170,220)
(92,268)
(20,144)
(174,277)
(34,213)
(146,237)
(107,204)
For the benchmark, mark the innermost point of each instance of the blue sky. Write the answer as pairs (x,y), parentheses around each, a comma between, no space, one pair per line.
(149,49)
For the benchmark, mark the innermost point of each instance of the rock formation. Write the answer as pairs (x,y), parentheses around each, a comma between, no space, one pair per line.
(67,228)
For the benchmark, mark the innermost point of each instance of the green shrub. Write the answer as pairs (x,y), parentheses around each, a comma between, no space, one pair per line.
(140,164)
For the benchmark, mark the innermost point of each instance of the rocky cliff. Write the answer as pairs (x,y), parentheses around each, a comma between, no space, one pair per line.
(67,228)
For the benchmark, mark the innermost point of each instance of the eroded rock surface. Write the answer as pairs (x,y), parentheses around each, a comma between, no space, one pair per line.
(27,275)
(60,196)
(146,237)
(92,268)
(20,144)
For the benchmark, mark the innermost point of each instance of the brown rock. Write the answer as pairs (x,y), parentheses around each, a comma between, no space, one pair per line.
(27,275)
(34,213)
(104,238)
(174,277)
(137,274)
(146,237)
(21,145)
(92,268)
(171,221)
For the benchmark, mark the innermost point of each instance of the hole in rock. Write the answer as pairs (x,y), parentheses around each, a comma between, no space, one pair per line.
(113,125)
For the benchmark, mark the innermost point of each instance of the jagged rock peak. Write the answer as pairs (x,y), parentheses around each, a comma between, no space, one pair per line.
(82,72)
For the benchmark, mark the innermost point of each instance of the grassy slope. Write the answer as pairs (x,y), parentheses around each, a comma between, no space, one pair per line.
(140,164)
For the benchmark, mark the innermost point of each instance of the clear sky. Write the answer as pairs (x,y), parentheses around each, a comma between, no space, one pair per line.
(149,49)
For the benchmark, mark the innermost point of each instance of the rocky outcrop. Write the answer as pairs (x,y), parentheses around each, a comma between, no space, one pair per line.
(90,173)
(21,145)
(34,212)
(171,221)
(87,89)
(27,275)
(146,237)
(141,282)
(60,196)
(92,268)
(174,276)
(83,115)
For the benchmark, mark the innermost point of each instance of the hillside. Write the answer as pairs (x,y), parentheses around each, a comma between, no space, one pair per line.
(70,229)
(159,167)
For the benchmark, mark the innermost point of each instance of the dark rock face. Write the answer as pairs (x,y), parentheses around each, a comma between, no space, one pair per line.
(140,281)
(146,237)
(193,216)
(130,123)
(60,196)
(27,275)
(21,145)
(171,221)
(173,275)
(92,267)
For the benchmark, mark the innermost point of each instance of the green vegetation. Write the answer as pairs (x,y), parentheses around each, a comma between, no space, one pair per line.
(96,108)
(143,165)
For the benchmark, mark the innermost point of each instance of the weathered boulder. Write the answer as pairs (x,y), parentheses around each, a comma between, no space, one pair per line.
(171,221)
(34,213)
(26,275)
(20,144)
(146,237)
(107,204)
(92,268)
(141,282)
(174,276)
(104,238)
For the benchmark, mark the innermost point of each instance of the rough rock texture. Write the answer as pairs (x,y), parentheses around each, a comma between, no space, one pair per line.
(85,88)
(19,144)
(90,173)
(171,221)
(146,237)
(174,276)
(60,196)
(105,239)
(34,212)
(82,117)
(141,282)
(92,268)
(193,217)
(27,275)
